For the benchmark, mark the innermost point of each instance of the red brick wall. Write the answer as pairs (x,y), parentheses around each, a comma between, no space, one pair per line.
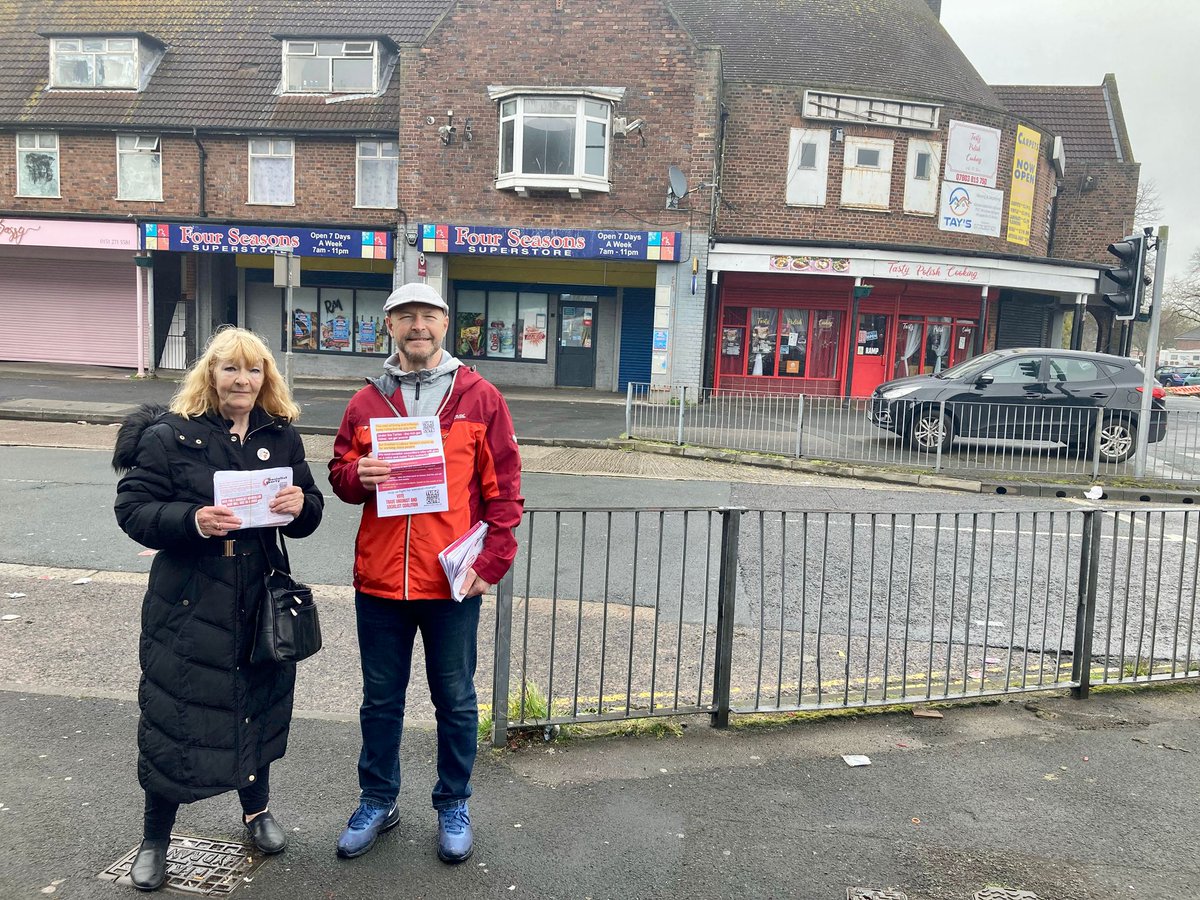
(324,185)
(755,179)
(622,43)
(1091,215)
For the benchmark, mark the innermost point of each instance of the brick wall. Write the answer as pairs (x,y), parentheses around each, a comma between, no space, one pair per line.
(324,181)
(1095,208)
(755,179)
(635,45)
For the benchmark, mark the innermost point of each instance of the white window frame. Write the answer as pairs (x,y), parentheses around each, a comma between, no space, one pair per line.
(60,45)
(148,144)
(272,153)
(921,193)
(43,142)
(312,49)
(511,109)
(360,157)
(807,185)
(875,181)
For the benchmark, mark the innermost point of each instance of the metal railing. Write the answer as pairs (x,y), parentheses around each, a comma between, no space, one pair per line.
(960,436)
(617,614)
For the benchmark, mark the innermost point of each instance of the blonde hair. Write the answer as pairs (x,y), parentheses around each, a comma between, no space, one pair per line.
(197,394)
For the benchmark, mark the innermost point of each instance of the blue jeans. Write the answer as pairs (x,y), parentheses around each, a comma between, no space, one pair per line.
(386,629)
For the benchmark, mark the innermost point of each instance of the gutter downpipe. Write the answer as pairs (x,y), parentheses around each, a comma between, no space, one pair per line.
(203,154)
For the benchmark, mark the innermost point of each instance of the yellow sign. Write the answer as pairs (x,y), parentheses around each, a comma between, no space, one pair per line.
(1024,180)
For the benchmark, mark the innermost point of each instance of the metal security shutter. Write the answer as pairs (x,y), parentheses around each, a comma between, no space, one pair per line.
(68,310)
(637,337)
(1023,323)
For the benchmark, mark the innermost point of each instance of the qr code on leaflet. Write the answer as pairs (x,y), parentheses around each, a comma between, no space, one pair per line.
(427,427)
(432,498)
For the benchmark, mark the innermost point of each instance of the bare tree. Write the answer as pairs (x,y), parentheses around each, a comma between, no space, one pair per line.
(1147,208)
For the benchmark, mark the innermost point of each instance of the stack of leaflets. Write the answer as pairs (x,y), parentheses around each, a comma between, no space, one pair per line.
(460,556)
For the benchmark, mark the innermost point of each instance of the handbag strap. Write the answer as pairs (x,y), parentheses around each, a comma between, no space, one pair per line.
(287,563)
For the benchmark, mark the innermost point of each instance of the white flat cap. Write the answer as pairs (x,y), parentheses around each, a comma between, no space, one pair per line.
(414,292)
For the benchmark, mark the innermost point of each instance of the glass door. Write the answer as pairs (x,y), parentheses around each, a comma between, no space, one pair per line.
(576,363)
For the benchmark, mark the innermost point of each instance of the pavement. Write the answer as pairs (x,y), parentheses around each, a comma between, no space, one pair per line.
(1035,796)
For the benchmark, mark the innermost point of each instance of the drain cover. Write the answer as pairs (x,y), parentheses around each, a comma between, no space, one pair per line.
(993,893)
(861,893)
(196,865)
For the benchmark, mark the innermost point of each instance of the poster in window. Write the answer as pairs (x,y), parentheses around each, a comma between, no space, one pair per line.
(731,342)
(469,328)
(335,333)
(371,335)
(304,334)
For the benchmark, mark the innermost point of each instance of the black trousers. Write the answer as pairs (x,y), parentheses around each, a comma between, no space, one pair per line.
(159,817)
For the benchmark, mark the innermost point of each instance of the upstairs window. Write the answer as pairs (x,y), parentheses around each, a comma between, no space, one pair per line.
(554,142)
(272,170)
(98,62)
(37,165)
(808,167)
(139,167)
(330,67)
(377,174)
(867,173)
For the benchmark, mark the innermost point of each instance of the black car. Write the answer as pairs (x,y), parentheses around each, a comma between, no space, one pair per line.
(1064,396)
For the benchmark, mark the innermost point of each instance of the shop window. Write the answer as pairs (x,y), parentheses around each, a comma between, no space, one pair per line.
(377,174)
(339,320)
(783,343)
(926,345)
(920,180)
(554,142)
(139,167)
(110,63)
(808,167)
(37,165)
(330,67)
(272,170)
(867,173)
(500,325)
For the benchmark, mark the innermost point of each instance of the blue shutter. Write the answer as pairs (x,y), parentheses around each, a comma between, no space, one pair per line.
(637,325)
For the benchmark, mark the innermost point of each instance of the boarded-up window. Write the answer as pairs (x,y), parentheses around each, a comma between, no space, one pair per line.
(920,181)
(808,167)
(867,173)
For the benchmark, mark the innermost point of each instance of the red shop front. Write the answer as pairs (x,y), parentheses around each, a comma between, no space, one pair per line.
(788,334)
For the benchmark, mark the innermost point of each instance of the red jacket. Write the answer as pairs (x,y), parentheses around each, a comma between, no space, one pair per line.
(397,556)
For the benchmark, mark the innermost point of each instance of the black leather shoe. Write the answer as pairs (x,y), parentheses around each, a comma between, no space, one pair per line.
(266,833)
(149,869)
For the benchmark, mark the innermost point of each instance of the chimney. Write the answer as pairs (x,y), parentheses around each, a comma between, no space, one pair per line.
(936,6)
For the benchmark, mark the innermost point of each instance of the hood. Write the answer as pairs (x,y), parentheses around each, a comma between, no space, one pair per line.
(125,451)
(908,381)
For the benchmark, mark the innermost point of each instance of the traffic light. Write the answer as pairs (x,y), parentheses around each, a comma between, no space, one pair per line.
(1121,286)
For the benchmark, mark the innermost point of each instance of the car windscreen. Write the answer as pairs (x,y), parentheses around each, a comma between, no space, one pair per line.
(972,366)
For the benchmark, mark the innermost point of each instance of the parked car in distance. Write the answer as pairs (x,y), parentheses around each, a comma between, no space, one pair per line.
(1088,401)
(1168,376)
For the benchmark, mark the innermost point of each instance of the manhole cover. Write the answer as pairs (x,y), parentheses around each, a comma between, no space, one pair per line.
(1004,894)
(861,893)
(196,865)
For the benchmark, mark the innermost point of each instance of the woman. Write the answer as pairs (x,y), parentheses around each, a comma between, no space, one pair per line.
(210,721)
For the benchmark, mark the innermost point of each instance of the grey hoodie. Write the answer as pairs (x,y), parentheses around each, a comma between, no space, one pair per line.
(422,390)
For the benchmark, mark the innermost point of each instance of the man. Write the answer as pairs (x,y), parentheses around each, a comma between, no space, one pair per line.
(400,587)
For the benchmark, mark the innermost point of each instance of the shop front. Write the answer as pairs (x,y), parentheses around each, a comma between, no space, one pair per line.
(566,308)
(337,307)
(70,292)
(829,323)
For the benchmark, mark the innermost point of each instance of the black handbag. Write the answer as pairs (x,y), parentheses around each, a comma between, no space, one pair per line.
(288,628)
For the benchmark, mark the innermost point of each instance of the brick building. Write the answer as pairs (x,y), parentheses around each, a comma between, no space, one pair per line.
(158,156)
(688,192)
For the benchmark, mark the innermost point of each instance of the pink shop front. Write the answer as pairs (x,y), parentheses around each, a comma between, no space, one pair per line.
(70,292)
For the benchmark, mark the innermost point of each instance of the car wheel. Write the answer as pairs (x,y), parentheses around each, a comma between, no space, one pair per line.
(1117,439)
(929,430)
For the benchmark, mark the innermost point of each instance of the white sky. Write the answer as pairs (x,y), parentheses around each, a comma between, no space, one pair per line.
(1154,51)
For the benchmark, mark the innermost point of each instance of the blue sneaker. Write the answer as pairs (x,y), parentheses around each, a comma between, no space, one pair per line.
(367,823)
(455,839)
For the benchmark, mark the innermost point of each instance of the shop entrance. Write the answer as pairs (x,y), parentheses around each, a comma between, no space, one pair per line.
(870,361)
(576,363)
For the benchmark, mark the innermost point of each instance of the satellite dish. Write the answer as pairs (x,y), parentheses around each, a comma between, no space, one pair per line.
(679,185)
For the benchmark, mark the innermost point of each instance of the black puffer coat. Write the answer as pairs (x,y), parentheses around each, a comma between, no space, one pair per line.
(209,719)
